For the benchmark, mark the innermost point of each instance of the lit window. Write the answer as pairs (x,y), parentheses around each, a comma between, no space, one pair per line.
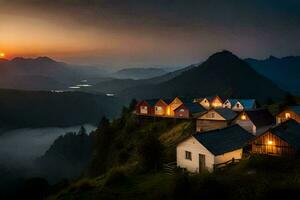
(158,108)
(181,110)
(270,142)
(243,117)
(287,115)
(188,155)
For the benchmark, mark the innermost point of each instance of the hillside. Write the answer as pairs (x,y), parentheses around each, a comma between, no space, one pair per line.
(222,73)
(283,71)
(44,109)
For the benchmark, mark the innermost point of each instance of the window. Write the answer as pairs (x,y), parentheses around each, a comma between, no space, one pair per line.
(181,110)
(212,115)
(237,105)
(243,117)
(158,108)
(287,115)
(188,155)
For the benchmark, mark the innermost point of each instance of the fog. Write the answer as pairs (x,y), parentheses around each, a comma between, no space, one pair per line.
(20,147)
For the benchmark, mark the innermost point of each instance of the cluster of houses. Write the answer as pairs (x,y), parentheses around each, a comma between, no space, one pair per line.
(225,129)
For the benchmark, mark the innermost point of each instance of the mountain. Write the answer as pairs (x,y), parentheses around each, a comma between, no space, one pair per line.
(41,73)
(116,86)
(222,73)
(138,73)
(283,71)
(20,109)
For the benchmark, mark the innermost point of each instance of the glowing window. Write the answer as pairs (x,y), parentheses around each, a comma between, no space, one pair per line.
(181,110)
(270,142)
(158,108)
(243,117)
(287,115)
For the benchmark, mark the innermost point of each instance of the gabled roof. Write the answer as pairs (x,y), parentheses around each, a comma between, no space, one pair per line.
(226,113)
(296,109)
(224,140)
(288,131)
(260,117)
(193,107)
(247,103)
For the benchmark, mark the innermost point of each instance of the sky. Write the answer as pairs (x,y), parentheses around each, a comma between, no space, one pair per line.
(149,33)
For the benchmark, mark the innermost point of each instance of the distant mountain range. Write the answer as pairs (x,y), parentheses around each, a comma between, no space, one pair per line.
(222,73)
(41,73)
(285,71)
(138,73)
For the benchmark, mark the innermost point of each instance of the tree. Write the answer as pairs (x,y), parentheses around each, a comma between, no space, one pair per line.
(82,131)
(104,123)
(150,151)
(132,105)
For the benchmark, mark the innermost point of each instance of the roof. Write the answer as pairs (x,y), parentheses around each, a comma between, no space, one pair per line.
(288,131)
(296,109)
(247,103)
(227,113)
(193,107)
(224,140)
(232,101)
(260,117)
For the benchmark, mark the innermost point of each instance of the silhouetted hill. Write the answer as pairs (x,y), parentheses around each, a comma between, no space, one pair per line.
(44,109)
(138,73)
(116,86)
(222,73)
(283,71)
(41,73)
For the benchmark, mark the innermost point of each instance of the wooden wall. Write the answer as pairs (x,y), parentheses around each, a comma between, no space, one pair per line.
(278,147)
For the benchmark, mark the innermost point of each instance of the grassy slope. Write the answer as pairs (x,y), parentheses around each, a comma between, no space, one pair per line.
(257,178)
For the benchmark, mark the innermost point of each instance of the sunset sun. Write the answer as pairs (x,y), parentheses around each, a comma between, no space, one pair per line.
(2,55)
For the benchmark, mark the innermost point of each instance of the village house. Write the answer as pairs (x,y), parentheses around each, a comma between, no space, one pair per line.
(161,107)
(290,112)
(215,119)
(204,151)
(188,110)
(240,104)
(173,105)
(255,121)
(146,107)
(284,139)
(210,102)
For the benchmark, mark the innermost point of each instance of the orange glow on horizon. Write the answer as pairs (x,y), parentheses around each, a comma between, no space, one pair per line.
(2,55)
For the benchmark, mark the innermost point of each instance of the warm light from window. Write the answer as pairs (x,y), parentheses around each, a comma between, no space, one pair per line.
(287,115)
(243,117)
(168,110)
(270,142)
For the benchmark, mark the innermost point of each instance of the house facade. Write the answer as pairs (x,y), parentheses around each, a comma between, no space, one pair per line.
(203,151)
(211,102)
(160,108)
(291,112)
(255,121)
(282,140)
(188,110)
(215,119)
(174,105)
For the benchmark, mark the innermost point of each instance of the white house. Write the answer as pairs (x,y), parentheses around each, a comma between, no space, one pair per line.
(202,151)
(244,104)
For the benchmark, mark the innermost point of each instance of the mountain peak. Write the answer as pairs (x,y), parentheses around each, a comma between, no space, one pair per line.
(272,58)
(45,59)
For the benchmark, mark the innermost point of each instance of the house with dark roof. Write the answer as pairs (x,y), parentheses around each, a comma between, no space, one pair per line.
(215,119)
(188,110)
(240,104)
(281,140)
(203,151)
(255,121)
(290,112)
